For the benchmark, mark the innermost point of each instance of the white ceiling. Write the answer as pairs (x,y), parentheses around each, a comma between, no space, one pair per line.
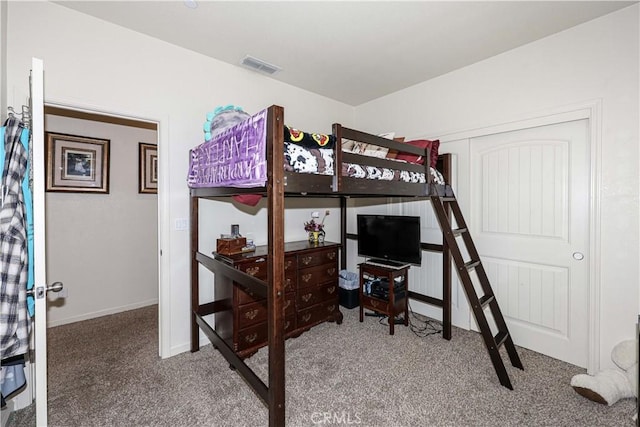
(350,51)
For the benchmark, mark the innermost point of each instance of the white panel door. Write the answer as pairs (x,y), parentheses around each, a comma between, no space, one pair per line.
(530,223)
(39,273)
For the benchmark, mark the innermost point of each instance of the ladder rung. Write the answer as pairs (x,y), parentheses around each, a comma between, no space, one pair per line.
(448,199)
(470,265)
(459,231)
(501,338)
(485,300)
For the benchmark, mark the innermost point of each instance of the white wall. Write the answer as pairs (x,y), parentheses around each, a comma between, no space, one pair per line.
(103,247)
(96,65)
(596,61)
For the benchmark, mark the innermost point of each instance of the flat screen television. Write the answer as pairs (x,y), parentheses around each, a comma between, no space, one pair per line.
(390,237)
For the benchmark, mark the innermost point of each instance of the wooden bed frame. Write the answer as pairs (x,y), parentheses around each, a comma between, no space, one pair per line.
(279,185)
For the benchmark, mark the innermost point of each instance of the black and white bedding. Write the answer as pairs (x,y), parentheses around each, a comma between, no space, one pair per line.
(320,161)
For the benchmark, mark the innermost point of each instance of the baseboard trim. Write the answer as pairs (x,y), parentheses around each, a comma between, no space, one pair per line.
(100,313)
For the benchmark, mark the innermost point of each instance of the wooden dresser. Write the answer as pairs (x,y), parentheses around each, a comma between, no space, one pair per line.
(311,294)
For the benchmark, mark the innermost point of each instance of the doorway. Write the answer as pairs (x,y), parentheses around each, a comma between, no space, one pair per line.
(104,247)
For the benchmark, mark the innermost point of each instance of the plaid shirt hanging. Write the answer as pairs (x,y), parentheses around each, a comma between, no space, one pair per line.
(14,319)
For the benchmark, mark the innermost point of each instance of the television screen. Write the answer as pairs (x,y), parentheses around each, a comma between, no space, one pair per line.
(390,237)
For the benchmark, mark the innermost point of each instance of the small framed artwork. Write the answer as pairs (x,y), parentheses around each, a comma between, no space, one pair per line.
(148,168)
(77,164)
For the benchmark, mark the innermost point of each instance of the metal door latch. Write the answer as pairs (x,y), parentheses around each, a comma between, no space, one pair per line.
(41,290)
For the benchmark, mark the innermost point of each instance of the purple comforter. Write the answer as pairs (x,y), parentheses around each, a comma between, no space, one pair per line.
(235,158)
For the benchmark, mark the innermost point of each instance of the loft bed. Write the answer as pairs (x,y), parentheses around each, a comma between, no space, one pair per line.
(252,158)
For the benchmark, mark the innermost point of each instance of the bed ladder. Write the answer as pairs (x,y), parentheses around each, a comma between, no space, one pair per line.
(443,206)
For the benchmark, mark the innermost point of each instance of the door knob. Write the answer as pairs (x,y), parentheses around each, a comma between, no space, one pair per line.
(55,287)
(578,256)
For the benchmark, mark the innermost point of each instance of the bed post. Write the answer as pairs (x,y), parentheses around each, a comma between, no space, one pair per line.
(343,232)
(195,301)
(275,293)
(337,159)
(445,169)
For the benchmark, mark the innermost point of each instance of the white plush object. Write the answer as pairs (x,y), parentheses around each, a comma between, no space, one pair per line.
(611,385)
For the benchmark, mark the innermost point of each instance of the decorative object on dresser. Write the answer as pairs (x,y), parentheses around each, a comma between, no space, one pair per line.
(315,228)
(231,245)
(311,294)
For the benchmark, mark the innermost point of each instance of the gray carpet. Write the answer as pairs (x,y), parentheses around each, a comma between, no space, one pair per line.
(106,372)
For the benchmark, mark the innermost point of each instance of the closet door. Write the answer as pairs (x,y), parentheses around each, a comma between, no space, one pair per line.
(40,275)
(530,223)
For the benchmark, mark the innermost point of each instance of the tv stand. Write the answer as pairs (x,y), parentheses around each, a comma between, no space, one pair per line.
(388,296)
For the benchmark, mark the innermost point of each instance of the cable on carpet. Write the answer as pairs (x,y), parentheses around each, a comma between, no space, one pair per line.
(422,326)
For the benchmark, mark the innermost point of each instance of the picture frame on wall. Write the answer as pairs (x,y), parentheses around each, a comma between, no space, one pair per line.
(77,164)
(148,168)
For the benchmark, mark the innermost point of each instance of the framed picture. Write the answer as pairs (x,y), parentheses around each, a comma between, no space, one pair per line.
(77,164)
(148,168)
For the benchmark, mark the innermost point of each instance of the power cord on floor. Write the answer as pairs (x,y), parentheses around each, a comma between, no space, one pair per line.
(423,326)
(420,325)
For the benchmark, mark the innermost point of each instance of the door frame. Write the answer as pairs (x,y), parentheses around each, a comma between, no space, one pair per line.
(164,288)
(592,111)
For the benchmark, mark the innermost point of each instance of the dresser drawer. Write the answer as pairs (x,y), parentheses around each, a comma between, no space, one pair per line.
(383,306)
(241,296)
(290,263)
(245,297)
(317,313)
(257,268)
(315,275)
(260,270)
(313,295)
(311,259)
(257,335)
(256,312)
(250,314)
(290,280)
(290,323)
(252,336)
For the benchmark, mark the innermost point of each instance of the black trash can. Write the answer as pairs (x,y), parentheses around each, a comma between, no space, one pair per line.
(349,289)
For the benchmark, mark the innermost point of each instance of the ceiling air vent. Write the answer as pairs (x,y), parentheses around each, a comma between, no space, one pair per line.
(258,65)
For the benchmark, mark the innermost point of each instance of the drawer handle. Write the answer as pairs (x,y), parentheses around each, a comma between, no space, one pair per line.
(331,290)
(374,303)
(252,271)
(287,303)
(306,317)
(306,297)
(260,259)
(251,314)
(331,271)
(306,259)
(331,308)
(306,277)
(251,338)
(288,264)
(331,255)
